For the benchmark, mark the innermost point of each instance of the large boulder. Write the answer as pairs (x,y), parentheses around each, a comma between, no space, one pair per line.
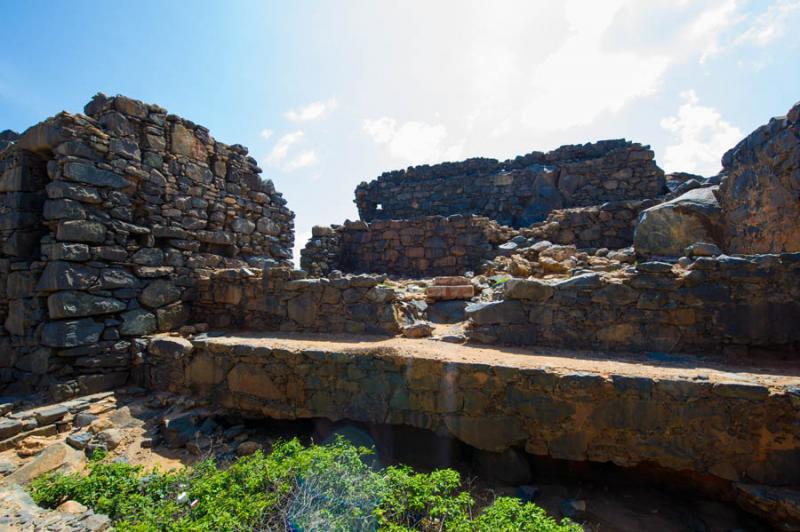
(668,228)
(760,196)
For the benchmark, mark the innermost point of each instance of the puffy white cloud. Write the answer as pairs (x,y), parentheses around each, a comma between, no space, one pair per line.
(700,137)
(302,160)
(613,54)
(514,75)
(312,111)
(281,148)
(381,130)
(413,142)
(266,133)
(283,157)
(582,79)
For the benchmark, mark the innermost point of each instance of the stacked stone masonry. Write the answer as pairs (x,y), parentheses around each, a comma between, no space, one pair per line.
(610,225)
(735,305)
(760,196)
(107,221)
(281,299)
(428,246)
(516,192)
(731,427)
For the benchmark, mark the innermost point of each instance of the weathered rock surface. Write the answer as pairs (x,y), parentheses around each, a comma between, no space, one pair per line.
(760,195)
(731,425)
(71,304)
(668,228)
(56,456)
(18,512)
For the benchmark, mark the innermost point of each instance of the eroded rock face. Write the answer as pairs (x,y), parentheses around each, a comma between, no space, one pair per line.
(668,228)
(760,196)
(731,429)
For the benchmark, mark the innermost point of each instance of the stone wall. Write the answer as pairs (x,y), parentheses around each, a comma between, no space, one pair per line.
(729,426)
(610,225)
(516,192)
(107,220)
(736,305)
(428,246)
(281,299)
(760,195)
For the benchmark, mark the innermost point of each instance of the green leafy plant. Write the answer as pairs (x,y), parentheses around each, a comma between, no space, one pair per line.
(320,487)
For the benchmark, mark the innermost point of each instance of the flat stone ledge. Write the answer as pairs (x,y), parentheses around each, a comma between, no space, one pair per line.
(739,423)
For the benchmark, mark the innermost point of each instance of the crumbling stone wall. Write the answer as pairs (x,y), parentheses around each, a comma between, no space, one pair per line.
(281,299)
(738,430)
(516,192)
(428,246)
(610,225)
(760,194)
(107,220)
(735,305)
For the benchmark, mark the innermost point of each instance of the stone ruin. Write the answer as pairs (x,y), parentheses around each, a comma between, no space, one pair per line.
(107,221)
(516,192)
(653,318)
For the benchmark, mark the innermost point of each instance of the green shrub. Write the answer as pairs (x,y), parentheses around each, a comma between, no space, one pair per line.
(321,487)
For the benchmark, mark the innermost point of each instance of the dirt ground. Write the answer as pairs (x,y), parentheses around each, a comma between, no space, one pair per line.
(655,365)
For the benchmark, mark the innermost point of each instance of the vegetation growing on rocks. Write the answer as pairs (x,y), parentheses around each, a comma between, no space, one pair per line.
(330,487)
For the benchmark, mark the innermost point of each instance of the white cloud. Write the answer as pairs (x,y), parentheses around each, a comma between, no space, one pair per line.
(304,159)
(281,148)
(585,78)
(708,27)
(266,134)
(381,130)
(283,155)
(771,24)
(312,111)
(413,142)
(700,137)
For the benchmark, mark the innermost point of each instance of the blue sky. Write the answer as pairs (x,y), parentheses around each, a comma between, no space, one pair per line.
(327,94)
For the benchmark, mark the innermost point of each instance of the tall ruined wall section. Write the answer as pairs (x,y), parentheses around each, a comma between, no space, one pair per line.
(760,195)
(516,192)
(107,221)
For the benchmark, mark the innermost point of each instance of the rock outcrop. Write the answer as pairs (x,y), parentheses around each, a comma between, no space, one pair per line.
(668,228)
(760,195)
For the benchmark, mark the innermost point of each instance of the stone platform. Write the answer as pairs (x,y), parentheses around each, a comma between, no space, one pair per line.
(736,422)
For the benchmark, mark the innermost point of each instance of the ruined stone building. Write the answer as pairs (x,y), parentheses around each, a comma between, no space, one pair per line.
(517,192)
(107,221)
(668,305)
